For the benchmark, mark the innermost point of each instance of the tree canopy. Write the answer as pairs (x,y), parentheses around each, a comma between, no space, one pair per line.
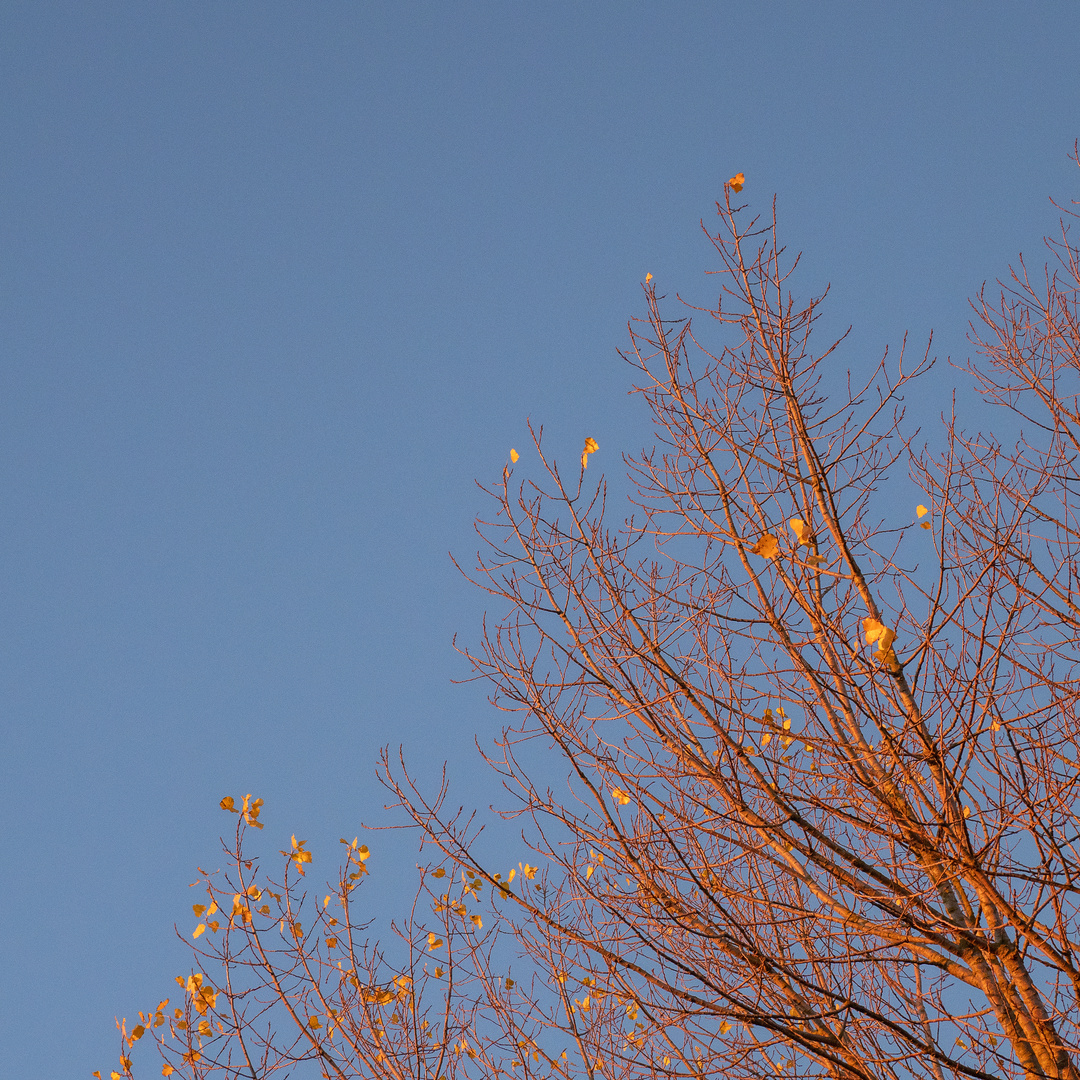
(822,806)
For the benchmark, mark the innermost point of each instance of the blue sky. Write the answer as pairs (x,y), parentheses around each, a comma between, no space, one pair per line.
(279,282)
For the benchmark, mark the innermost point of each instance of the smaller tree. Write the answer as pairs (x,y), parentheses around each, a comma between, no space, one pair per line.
(820,748)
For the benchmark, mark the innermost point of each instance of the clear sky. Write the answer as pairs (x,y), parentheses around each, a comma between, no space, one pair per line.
(280,281)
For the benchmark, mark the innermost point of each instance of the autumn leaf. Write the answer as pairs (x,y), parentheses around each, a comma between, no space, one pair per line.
(434,941)
(228,804)
(802,531)
(767,547)
(737,181)
(477,921)
(877,632)
(591,446)
(251,811)
(620,796)
(527,870)
(921,510)
(440,872)
(514,455)
(200,929)
(648,278)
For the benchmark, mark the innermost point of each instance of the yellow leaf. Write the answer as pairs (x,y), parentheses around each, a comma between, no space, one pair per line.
(477,921)
(588,872)
(331,942)
(440,872)
(767,547)
(737,181)
(619,796)
(167,1069)
(766,738)
(438,973)
(725,1027)
(200,929)
(198,909)
(528,871)
(314,1023)
(434,941)
(921,510)
(967,811)
(925,525)
(137,1032)
(802,531)
(648,278)
(514,455)
(228,804)
(591,446)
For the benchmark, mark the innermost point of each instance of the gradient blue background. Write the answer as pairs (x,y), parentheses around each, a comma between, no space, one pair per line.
(279,281)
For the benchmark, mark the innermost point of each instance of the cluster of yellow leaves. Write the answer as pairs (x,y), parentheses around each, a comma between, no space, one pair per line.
(803,533)
(736,182)
(202,911)
(298,855)
(591,446)
(620,796)
(879,634)
(399,990)
(768,546)
(250,810)
(358,856)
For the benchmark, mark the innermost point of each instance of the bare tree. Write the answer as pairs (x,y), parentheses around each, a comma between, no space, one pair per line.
(821,745)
